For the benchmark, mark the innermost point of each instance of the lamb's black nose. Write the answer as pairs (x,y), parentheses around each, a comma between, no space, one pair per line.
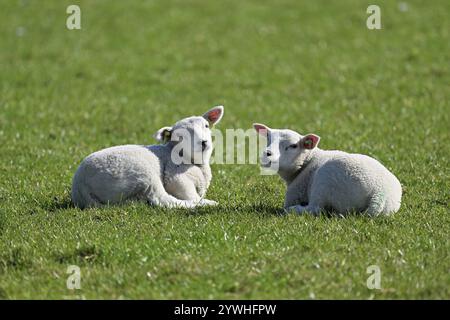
(204,144)
(268,153)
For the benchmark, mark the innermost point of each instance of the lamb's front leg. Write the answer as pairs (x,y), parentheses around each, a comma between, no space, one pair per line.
(299,209)
(296,194)
(184,189)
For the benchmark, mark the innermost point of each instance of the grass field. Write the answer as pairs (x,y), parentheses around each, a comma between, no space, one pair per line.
(136,66)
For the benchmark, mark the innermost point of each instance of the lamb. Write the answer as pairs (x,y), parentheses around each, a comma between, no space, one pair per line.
(321,180)
(175,173)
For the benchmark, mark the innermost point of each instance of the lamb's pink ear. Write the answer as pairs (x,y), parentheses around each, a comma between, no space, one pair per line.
(214,115)
(261,129)
(310,141)
(163,134)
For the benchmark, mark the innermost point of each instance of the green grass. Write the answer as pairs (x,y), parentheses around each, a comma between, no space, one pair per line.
(136,66)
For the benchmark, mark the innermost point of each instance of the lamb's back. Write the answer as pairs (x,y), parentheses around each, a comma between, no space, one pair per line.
(122,161)
(360,179)
(119,172)
(362,170)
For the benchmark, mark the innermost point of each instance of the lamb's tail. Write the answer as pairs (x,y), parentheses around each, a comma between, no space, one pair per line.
(377,204)
(385,202)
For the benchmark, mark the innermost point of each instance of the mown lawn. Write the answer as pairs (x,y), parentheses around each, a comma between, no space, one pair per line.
(136,66)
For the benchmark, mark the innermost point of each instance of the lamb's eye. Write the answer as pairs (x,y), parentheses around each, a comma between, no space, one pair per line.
(206,125)
(293,146)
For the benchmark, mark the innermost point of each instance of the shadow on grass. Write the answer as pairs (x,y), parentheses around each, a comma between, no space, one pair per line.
(3,294)
(259,208)
(14,259)
(80,256)
(227,208)
(58,204)
(263,209)
(327,213)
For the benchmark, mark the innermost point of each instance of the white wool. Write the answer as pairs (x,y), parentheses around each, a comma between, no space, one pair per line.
(149,173)
(320,180)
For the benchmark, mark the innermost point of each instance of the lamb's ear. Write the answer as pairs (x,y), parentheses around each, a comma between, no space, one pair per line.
(261,129)
(214,115)
(310,141)
(163,134)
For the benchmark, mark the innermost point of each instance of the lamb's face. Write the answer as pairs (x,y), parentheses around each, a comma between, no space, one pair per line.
(282,149)
(286,150)
(191,137)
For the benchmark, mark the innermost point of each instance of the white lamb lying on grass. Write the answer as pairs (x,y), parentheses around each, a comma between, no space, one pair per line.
(319,180)
(174,174)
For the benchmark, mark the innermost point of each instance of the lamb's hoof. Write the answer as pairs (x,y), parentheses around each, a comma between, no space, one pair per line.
(289,210)
(206,202)
(300,210)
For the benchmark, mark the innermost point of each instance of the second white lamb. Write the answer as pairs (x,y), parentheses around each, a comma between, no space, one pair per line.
(321,180)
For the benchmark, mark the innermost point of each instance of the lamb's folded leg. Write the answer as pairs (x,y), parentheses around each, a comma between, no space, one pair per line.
(156,195)
(206,202)
(189,193)
(299,209)
(185,190)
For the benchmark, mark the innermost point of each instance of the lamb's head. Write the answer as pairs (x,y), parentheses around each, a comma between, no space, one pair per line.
(190,138)
(286,150)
